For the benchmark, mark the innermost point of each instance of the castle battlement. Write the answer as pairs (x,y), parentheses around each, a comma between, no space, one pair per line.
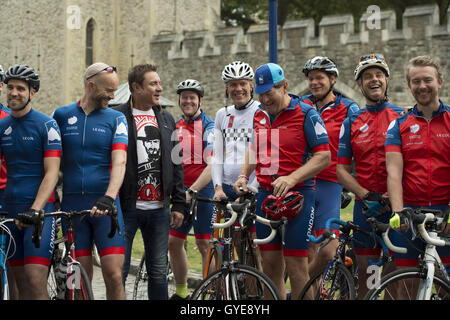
(419,23)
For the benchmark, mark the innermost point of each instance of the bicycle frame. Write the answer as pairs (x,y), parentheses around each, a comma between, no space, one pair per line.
(3,258)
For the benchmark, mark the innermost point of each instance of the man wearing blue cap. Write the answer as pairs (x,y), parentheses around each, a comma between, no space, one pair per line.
(289,147)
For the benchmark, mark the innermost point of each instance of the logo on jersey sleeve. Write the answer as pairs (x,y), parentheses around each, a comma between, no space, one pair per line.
(342,132)
(319,129)
(53,136)
(8,131)
(122,130)
(391,125)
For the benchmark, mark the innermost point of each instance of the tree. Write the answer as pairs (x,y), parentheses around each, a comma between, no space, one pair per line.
(248,12)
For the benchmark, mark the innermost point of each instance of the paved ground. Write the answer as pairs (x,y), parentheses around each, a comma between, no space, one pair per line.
(98,285)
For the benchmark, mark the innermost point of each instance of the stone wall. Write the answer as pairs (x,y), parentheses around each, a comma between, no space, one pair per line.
(185,39)
(203,54)
(50,36)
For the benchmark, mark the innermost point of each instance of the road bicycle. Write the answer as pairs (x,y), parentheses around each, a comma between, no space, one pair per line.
(235,281)
(67,279)
(6,244)
(429,280)
(339,279)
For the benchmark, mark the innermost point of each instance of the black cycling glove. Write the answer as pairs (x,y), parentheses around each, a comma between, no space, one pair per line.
(105,203)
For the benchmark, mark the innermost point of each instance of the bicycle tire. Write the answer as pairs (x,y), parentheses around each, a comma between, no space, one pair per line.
(140,290)
(83,288)
(52,279)
(335,284)
(2,294)
(397,281)
(214,254)
(241,277)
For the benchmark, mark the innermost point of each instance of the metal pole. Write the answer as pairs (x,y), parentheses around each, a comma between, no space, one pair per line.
(273,32)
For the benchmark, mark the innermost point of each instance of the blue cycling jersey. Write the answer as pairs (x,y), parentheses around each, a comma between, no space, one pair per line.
(87,142)
(25,142)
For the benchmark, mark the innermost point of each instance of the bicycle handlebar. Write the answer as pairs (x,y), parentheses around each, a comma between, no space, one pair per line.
(274,225)
(37,221)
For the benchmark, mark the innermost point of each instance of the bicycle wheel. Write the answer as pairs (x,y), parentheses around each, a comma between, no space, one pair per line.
(78,286)
(237,282)
(56,279)
(2,294)
(140,290)
(214,256)
(402,285)
(335,283)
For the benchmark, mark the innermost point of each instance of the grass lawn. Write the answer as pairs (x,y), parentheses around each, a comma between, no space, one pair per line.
(194,258)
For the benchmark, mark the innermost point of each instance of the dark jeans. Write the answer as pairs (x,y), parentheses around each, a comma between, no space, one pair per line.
(154,225)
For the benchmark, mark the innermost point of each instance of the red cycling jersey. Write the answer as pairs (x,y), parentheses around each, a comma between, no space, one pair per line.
(362,137)
(4,112)
(425,147)
(333,114)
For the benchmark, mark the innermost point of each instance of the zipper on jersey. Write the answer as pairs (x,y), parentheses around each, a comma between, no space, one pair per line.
(82,154)
(429,159)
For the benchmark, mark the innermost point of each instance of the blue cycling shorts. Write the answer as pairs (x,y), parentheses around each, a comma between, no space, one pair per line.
(26,252)
(203,222)
(364,245)
(90,230)
(417,246)
(327,204)
(297,231)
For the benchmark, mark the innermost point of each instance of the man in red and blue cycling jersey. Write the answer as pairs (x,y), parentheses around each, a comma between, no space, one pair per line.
(4,112)
(94,140)
(362,138)
(417,157)
(333,108)
(30,142)
(196,135)
(289,147)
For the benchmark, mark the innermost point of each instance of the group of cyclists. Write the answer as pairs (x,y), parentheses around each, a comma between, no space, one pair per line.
(297,152)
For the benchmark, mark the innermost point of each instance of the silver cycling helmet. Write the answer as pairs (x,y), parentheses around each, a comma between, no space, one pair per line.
(25,73)
(237,70)
(324,64)
(2,73)
(372,60)
(192,85)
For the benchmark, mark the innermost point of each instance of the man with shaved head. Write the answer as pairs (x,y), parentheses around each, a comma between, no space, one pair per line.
(95,140)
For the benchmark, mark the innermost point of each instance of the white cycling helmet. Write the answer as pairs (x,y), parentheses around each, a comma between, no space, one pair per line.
(2,73)
(192,85)
(237,70)
(324,64)
(372,60)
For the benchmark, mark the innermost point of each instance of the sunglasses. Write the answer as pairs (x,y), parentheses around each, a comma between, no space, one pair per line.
(372,56)
(107,69)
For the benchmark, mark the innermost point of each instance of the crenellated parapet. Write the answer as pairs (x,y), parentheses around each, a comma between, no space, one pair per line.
(419,23)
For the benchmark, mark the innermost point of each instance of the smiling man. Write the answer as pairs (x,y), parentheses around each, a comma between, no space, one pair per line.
(94,140)
(196,134)
(362,138)
(152,195)
(417,157)
(289,148)
(322,74)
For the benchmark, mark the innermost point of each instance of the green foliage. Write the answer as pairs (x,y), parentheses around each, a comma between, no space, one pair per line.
(246,13)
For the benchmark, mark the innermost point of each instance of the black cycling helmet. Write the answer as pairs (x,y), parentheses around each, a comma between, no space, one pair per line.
(2,73)
(324,64)
(25,73)
(192,85)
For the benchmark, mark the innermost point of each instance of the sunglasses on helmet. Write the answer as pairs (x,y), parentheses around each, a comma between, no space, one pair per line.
(107,69)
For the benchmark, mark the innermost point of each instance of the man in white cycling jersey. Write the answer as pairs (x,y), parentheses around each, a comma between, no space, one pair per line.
(233,128)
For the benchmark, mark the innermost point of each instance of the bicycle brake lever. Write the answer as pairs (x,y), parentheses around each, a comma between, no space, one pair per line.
(114,224)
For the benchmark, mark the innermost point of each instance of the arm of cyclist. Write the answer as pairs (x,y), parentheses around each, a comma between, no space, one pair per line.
(311,168)
(394,168)
(349,182)
(51,171)
(105,204)
(249,165)
(203,179)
